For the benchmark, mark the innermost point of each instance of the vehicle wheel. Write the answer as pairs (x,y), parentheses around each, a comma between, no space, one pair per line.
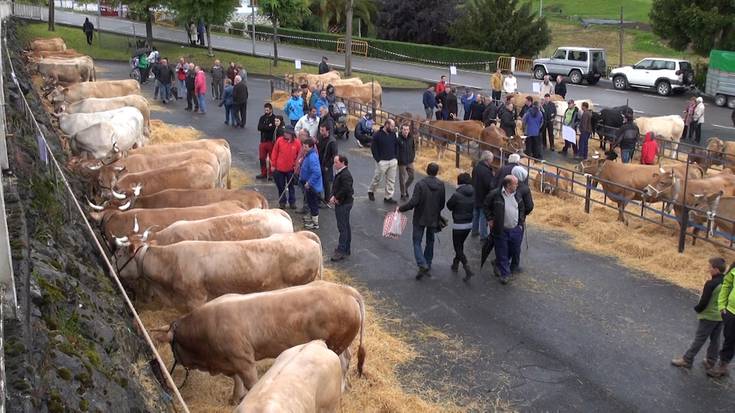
(721,100)
(575,77)
(663,88)
(593,80)
(731,102)
(620,82)
(539,72)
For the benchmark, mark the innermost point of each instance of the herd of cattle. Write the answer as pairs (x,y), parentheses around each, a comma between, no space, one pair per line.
(250,286)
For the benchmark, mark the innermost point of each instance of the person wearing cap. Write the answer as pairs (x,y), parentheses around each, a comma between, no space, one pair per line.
(283,162)
(364,131)
(627,137)
(513,161)
(698,120)
(323,66)
(571,118)
(524,190)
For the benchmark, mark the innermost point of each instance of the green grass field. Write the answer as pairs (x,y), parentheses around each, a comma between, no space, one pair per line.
(633,10)
(117,48)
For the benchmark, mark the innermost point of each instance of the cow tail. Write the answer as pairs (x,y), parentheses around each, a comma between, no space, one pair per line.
(94,73)
(361,348)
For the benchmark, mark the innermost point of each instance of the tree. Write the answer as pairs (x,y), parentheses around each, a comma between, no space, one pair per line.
(701,24)
(331,13)
(425,21)
(283,10)
(143,8)
(51,18)
(501,26)
(210,11)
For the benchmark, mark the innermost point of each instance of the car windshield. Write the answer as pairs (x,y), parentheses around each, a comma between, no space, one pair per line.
(560,54)
(644,64)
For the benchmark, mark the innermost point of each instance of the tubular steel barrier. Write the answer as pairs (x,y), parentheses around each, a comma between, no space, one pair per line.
(75,214)
(358,47)
(584,186)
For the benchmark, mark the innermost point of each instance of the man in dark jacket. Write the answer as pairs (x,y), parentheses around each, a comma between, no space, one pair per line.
(627,138)
(513,160)
(429,100)
(327,148)
(483,181)
(521,175)
(477,108)
(561,87)
(88,29)
(218,80)
(527,104)
(164,77)
(549,115)
(406,156)
(461,203)
(490,114)
(507,116)
(441,103)
(341,198)
(385,153)
(505,211)
(427,202)
(190,95)
(451,108)
(323,66)
(267,129)
(240,101)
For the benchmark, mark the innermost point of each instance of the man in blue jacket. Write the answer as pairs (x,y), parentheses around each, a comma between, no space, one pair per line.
(429,102)
(364,131)
(533,120)
(294,108)
(467,100)
(311,179)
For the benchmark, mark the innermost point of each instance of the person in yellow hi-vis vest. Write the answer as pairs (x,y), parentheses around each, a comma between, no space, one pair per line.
(726,306)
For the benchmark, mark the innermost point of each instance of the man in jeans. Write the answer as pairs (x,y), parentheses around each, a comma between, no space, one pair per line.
(406,156)
(710,320)
(429,100)
(726,307)
(627,137)
(385,153)
(483,181)
(427,202)
(585,131)
(341,198)
(505,211)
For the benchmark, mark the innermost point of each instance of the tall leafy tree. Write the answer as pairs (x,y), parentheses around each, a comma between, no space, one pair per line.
(210,11)
(501,26)
(426,21)
(279,11)
(701,24)
(333,12)
(144,8)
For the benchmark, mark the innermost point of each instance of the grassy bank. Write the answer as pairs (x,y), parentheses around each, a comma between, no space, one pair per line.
(633,10)
(117,47)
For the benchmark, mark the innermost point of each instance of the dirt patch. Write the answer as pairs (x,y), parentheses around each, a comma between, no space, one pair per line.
(162,132)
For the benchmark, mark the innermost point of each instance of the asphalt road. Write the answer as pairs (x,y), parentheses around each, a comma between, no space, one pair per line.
(645,102)
(574,332)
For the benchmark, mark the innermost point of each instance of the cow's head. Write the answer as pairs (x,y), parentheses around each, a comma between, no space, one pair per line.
(591,165)
(108,175)
(129,253)
(704,209)
(661,185)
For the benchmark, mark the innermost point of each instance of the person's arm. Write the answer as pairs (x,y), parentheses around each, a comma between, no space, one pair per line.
(415,199)
(709,288)
(487,206)
(374,147)
(452,203)
(528,201)
(727,285)
(274,154)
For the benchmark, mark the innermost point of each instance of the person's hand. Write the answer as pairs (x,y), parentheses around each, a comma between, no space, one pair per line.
(273,170)
(723,313)
(333,200)
(306,185)
(490,225)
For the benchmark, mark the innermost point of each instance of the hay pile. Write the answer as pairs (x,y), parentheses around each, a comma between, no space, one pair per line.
(379,390)
(279,98)
(239,178)
(162,132)
(448,172)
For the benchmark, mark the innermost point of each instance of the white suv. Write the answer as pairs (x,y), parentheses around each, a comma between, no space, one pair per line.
(665,75)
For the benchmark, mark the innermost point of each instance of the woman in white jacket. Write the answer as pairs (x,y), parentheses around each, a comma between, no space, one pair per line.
(698,119)
(510,85)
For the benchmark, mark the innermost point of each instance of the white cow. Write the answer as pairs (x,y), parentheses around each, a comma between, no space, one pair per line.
(71,124)
(91,105)
(668,127)
(103,138)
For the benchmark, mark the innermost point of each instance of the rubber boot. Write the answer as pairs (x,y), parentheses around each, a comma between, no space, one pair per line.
(719,371)
(455,264)
(312,223)
(468,272)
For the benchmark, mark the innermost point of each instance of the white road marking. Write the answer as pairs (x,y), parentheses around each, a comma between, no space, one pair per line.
(638,111)
(619,91)
(657,97)
(580,86)
(723,127)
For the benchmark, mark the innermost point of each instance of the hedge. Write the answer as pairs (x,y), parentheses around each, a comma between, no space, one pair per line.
(409,52)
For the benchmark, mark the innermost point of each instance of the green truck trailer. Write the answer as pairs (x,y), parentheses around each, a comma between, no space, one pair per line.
(721,78)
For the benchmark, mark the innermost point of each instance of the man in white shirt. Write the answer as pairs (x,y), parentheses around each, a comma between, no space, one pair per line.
(310,122)
(546,87)
(510,84)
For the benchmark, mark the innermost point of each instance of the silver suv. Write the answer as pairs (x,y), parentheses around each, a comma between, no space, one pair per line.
(578,63)
(664,75)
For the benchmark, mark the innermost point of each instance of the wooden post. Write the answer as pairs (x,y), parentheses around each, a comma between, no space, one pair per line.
(348,41)
(622,36)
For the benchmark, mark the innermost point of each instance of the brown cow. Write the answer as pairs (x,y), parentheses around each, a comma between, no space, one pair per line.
(617,178)
(197,174)
(229,334)
(368,93)
(187,274)
(120,223)
(519,99)
(54,44)
(251,224)
(719,152)
(101,89)
(183,198)
(447,130)
(305,378)
(67,71)
(718,209)
(496,138)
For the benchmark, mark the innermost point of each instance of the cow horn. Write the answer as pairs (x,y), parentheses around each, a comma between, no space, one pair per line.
(146,233)
(662,170)
(117,194)
(137,188)
(698,196)
(122,242)
(136,227)
(115,148)
(119,168)
(125,206)
(93,206)
(94,167)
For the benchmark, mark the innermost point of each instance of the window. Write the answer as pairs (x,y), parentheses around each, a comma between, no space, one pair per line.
(581,57)
(685,66)
(670,65)
(644,64)
(658,65)
(560,54)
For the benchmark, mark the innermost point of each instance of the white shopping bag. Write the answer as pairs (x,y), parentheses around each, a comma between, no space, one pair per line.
(394,224)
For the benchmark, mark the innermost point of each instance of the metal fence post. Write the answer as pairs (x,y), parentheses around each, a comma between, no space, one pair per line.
(587,193)
(457,150)
(683,225)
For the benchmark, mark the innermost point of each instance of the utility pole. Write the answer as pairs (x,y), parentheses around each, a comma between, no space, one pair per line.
(541,8)
(252,15)
(348,41)
(99,13)
(620,60)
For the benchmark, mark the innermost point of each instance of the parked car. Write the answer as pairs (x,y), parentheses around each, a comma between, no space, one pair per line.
(664,75)
(578,63)
(721,78)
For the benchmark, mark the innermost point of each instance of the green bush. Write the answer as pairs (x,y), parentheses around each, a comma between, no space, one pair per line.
(391,50)
(237,28)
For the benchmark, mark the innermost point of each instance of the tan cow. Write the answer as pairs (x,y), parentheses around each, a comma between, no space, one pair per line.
(67,71)
(306,378)
(104,104)
(54,44)
(519,99)
(34,56)
(182,198)
(187,274)
(120,223)
(251,224)
(101,89)
(229,334)
(668,127)
(367,93)
(715,212)
(354,81)
(219,147)
(497,139)
(719,152)
(312,79)
(446,131)
(626,182)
